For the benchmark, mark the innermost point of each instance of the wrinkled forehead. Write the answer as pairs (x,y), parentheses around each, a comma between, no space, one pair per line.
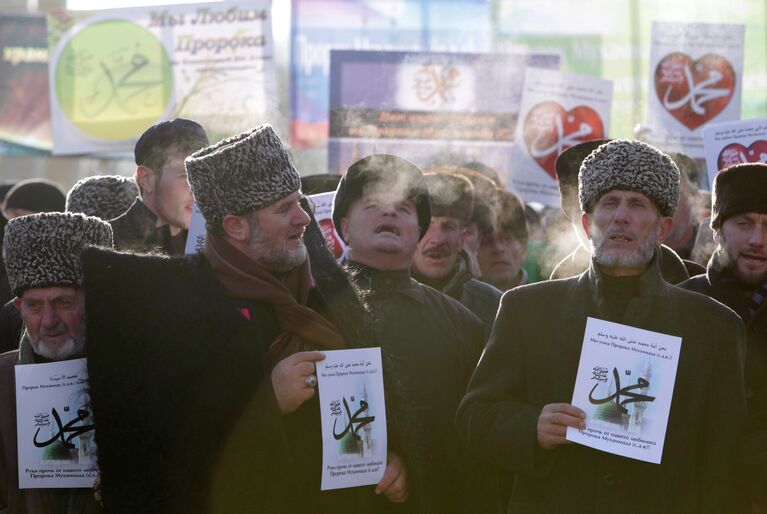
(388,191)
(51,293)
(626,194)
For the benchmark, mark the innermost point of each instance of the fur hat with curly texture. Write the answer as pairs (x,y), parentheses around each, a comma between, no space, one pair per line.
(103,196)
(631,166)
(240,174)
(43,250)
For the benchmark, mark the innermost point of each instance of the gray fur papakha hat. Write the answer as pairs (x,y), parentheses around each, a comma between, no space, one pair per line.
(43,250)
(241,174)
(631,166)
(103,196)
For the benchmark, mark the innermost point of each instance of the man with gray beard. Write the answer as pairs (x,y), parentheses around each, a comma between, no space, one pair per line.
(517,408)
(42,256)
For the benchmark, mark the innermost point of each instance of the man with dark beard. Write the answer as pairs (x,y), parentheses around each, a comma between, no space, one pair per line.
(737,277)
(42,256)
(517,408)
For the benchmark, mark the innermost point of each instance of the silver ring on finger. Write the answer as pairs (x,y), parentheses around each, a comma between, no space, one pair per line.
(310,381)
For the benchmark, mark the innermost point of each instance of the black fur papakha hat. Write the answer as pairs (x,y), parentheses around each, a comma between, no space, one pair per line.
(738,189)
(43,250)
(241,174)
(452,195)
(103,196)
(567,166)
(384,174)
(631,166)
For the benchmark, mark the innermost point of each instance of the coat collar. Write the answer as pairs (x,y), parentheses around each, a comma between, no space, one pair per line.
(372,281)
(726,289)
(653,292)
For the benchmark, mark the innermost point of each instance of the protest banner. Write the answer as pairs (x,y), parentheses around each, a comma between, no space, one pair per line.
(696,77)
(323,213)
(114,73)
(431,108)
(416,25)
(733,143)
(558,111)
(55,426)
(353,413)
(25,125)
(625,385)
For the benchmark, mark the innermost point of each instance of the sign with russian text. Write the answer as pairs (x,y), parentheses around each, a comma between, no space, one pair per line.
(558,111)
(430,108)
(739,142)
(353,412)
(55,427)
(696,78)
(114,73)
(625,385)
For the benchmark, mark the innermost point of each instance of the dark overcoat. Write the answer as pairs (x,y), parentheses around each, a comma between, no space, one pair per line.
(532,360)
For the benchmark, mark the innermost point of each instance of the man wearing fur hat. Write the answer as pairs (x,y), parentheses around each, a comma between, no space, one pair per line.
(440,261)
(234,426)
(103,196)
(382,210)
(158,220)
(517,407)
(42,255)
(568,164)
(737,277)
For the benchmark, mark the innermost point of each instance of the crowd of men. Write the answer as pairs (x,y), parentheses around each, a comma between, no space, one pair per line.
(202,367)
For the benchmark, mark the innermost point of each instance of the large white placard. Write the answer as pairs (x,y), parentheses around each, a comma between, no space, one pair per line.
(353,411)
(625,385)
(558,111)
(696,77)
(55,425)
(115,72)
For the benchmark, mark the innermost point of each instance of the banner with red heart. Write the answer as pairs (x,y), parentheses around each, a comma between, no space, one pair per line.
(549,129)
(694,91)
(736,153)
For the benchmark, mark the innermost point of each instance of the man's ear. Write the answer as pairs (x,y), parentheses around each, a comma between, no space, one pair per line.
(586,222)
(718,239)
(17,303)
(665,224)
(236,227)
(145,178)
(344,229)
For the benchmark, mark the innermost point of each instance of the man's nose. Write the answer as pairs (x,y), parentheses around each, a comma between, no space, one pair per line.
(758,235)
(50,318)
(621,214)
(300,218)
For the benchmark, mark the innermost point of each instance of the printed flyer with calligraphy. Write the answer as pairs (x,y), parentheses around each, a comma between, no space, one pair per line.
(625,386)
(558,111)
(426,106)
(115,72)
(56,443)
(353,413)
(696,78)
(195,238)
(733,143)
(323,213)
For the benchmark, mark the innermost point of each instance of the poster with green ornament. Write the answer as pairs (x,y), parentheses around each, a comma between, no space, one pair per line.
(115,72)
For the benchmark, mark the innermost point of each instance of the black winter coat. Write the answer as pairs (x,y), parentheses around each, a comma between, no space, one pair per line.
(532,359)
(137,232)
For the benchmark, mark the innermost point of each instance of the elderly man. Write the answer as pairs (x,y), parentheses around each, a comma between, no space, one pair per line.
(737,277)
(672,267)
(229,421)
(42,255)
(382,210)
(503,247)
(517,407)
(158,220)
(440,261)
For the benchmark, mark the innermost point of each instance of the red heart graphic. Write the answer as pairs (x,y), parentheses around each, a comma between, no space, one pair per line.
(549,130)
(694,92)
(736,153)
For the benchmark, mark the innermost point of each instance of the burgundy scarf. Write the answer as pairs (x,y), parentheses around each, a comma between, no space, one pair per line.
(244,279)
